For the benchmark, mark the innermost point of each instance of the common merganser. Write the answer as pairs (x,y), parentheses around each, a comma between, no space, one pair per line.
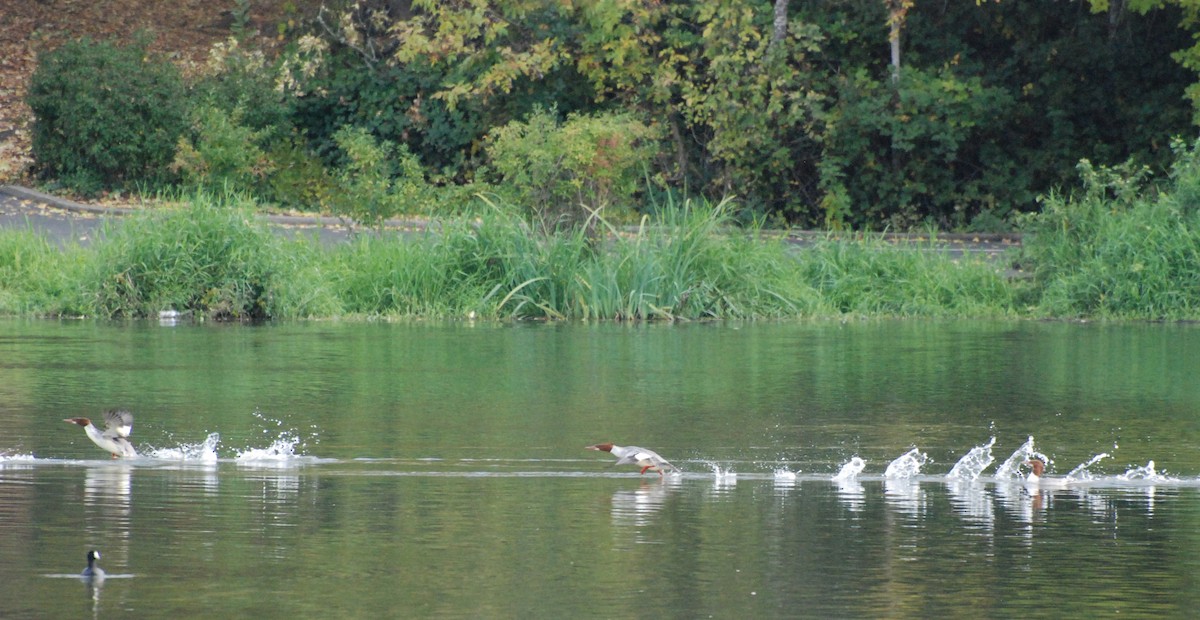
(633,455)
(1038,467)
(118,423)
(92,571)
(1035,477)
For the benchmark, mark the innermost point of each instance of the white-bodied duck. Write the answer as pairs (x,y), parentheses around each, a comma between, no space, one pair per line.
(118,423)
(1036,477)
(633,455)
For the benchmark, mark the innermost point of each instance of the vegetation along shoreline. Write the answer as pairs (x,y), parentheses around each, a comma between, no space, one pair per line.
(610,161)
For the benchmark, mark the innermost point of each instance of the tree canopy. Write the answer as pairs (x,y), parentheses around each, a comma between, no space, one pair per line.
(862,114)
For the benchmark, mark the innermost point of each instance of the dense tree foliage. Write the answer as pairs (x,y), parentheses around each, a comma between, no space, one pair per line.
(994,103)
(840,113)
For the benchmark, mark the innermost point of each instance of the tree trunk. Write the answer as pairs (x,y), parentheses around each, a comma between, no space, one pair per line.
(780,31)
(897,13)
(894,40)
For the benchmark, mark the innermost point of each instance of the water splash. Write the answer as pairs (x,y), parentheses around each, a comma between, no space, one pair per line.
(725,475)
(1146,473)
(1011,468)
(784,474)
(850,491)
(850,470)
(286,448)
(281,449)
(1082,473)
(973,463)
(205,451)
(907,465)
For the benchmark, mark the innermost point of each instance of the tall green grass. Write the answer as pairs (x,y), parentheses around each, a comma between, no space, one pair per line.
(689,262)
(1118,249)
(213,258)
(679,265)
(37,277)
(1101,255)
(869,276)
(210,257)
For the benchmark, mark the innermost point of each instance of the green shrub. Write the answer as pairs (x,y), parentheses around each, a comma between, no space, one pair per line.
(378,181)
(241,83)
(222,151)
(296,178)
(563,171)
(916,154)
(391,102)
(106,116)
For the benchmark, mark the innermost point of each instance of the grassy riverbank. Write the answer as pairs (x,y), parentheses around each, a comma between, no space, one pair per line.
(212,257)
(1115,251)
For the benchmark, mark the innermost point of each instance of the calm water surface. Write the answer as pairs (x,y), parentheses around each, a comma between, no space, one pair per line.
(382,470)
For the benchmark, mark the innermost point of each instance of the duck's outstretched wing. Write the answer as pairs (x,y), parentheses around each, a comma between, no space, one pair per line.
(632,455)
(643,457)
(118,422)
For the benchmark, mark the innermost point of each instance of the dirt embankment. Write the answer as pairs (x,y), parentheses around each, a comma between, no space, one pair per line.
(183,30)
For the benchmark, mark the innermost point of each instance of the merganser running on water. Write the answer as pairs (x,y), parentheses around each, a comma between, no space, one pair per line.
(92,571)
(1035,477)
(633,455)
(118,423)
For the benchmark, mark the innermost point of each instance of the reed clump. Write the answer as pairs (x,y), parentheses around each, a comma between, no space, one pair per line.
(1115,251)
(870,276)
(37,277)
(211,257)
(1119,249)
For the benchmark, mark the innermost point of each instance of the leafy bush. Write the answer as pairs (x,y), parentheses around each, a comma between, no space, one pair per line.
(296,178)
(390,102)
(106,116)
(378,181)
(241,83)
(748,106)
(222,151)
(913,154)
(562,171)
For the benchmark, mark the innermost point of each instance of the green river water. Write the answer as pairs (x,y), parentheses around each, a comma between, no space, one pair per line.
(374,470)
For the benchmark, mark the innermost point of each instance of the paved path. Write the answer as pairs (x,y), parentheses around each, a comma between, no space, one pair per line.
(65,221)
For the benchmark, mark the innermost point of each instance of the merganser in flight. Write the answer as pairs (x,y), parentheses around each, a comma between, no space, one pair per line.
(633,455)
(92,571)
(118,423)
